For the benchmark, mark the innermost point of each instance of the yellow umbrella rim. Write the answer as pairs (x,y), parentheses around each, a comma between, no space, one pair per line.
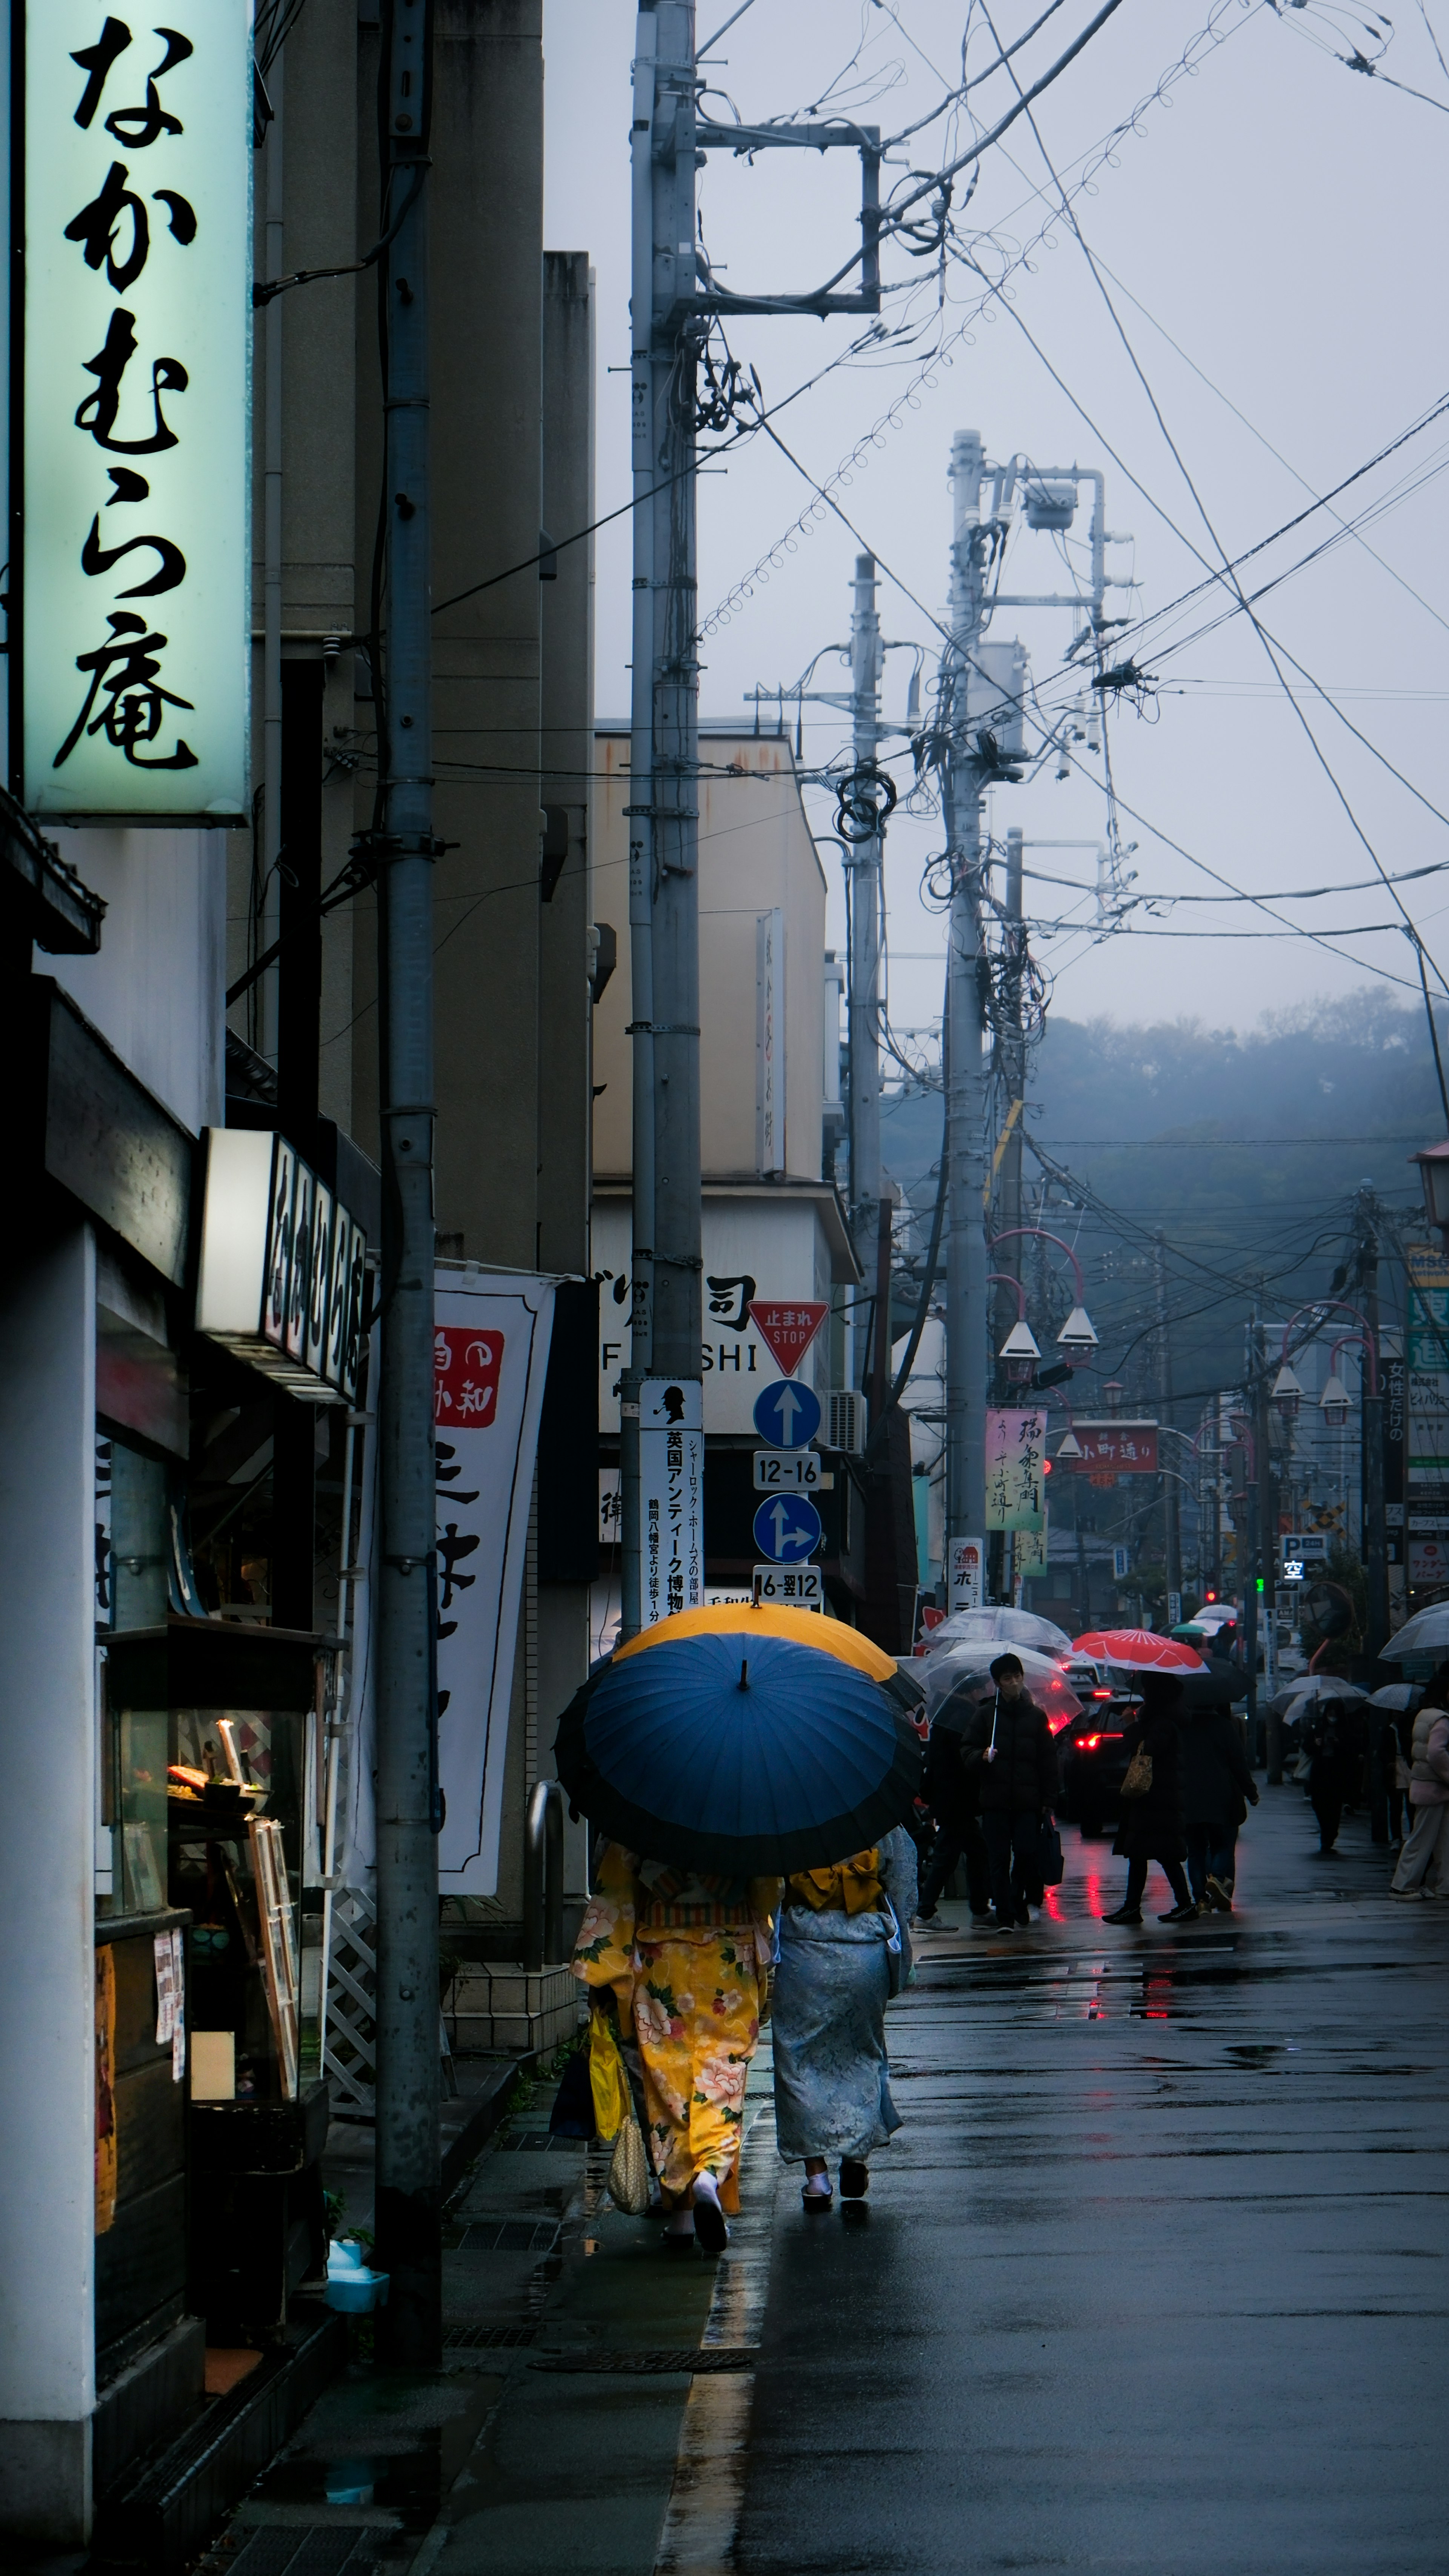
(768,1619)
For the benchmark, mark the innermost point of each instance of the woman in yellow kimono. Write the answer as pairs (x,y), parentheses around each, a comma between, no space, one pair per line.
(679,1965)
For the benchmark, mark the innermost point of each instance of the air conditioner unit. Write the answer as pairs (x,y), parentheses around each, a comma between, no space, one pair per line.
(847,1420)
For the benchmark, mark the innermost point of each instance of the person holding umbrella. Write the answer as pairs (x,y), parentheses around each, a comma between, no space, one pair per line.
(718,1752)
(679,1962)
(953,1800)
(1153,1826)
(841,1933)
(1010,1761)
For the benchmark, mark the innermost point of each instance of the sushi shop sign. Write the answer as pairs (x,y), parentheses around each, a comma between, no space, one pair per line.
(131,328)
(282,1273)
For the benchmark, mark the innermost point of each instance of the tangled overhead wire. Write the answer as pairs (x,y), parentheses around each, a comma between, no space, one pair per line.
(865,799)
(1015,991)
(725,391)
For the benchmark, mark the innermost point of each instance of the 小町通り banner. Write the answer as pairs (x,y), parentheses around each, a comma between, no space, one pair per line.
(134,334)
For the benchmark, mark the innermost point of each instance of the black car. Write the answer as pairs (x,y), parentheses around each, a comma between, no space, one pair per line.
(1092,1757)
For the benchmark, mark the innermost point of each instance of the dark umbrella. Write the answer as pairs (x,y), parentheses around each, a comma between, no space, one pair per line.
(762,1743)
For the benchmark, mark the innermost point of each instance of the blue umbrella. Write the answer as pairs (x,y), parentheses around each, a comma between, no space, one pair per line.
(745,1753)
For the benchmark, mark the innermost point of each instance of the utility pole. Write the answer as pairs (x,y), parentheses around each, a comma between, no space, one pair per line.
(409,2215)
(968,1375)
(1172,1534)
(865,865)
(1375,1531)
(663,808)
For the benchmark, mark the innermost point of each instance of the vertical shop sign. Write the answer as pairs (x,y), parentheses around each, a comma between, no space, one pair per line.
(490,1357)
(769,1042)
(671,1475)
(1015,1485)
(130,350)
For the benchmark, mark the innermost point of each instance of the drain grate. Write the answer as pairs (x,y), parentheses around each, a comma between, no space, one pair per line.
(510,2236)
(697,2359)
(487,2338)
(321,2551)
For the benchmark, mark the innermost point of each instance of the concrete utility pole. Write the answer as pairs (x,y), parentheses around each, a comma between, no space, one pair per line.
(1172,1511)
(1375,1527)
(865,864)
(663,806)
(968,1373)
(408,2177)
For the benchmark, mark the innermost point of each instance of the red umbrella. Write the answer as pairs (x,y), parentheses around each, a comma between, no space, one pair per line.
(1140,1649)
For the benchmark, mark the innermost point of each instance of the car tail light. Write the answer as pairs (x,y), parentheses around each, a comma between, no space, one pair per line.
(1101,1694)
(1088,1743)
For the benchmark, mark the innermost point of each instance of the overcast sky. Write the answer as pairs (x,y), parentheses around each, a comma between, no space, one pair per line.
(1281,218)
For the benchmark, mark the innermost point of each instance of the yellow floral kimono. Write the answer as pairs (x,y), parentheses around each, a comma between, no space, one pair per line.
(686,1960)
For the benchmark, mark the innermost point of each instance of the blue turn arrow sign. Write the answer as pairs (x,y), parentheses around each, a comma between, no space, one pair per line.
(787,1414)
(787,1529)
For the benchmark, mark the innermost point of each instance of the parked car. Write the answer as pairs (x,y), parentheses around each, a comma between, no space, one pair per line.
(1092,1758)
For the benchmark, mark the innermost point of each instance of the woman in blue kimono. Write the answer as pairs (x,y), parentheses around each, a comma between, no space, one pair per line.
(832,1983)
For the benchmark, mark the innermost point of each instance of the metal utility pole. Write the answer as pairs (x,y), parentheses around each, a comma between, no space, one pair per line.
(408,2152)
(968,1373)
(865,865)
(1375,1526)
(1172,1549)
(663,808)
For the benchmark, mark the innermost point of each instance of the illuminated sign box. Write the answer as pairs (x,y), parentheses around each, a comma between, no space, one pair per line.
(133,336)
(283,1267)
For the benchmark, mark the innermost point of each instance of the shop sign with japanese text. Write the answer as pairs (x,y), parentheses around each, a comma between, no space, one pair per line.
(1015,1484)
(130,685)
(671,1497)
(490,1357)
(1116,1448)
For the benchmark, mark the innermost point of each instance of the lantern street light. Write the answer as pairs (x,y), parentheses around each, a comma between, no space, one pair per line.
(1287,1393)
(1077,1338)
(1113,1393)
(1333,1402)
(1019,1350)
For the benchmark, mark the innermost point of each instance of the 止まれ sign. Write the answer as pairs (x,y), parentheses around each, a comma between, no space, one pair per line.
(131,339)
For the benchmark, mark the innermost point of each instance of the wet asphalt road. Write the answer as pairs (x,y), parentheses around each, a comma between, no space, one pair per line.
(1153,2280)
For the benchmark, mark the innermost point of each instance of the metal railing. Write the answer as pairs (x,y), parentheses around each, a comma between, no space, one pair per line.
(543,1873)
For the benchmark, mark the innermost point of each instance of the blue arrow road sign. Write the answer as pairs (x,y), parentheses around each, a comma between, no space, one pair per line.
(787,1414)
(787,1529)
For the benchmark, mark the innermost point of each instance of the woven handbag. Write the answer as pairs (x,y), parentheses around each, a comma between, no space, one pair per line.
(628,2184)
(1139,1775)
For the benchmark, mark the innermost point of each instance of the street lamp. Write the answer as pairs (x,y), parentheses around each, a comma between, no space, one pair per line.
(1434,1178)
(1287,1393)
(1077,1337)
(1333,1403)
(1020,1352)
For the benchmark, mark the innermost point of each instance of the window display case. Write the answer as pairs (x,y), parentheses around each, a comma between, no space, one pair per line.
(239,1713)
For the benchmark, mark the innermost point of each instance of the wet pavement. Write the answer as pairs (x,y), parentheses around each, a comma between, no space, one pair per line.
(1153,2280)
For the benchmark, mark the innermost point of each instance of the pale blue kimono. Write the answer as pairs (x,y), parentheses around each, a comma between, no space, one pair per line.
(832,1984)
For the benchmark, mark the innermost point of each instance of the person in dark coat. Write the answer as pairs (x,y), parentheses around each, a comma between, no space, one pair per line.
(1325,1737)
(1216,1781)
(1010,1764)
(952,1799)
(1153,1826)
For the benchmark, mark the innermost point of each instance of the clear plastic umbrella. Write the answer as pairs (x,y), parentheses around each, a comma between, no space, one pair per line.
(1427,1633)
(961,1674)
(997,1628)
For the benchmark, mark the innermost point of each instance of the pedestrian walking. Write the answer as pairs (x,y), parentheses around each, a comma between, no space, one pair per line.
(842,1952)
(1217,1790)
(1010,1763)
(678,1965)
(1325,1740)
(953,1797)
(1153,1826)
(1423,1868)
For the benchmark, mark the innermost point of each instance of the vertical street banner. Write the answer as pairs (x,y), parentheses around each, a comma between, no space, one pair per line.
(490,1357)
(1427,1393)
(1015,1456)
(130,349)
(671,1496)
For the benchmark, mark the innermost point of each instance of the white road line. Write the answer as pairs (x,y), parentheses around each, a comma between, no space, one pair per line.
(701,2524)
